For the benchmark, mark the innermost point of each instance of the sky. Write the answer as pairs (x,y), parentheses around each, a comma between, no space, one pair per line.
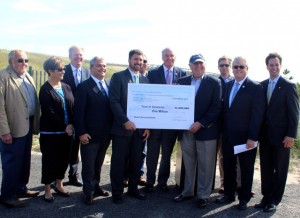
(111,28)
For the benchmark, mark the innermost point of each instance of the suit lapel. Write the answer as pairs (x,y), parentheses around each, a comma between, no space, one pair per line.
(242,89)
(17,82)
(276,90)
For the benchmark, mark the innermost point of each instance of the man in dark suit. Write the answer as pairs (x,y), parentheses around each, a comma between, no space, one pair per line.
(224,66)
(243,112)
(278,133)
(93,121)
(127,141)
(75,73)
(199,143)
(165,139)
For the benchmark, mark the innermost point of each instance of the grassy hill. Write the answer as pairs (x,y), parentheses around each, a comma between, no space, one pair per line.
(36,61)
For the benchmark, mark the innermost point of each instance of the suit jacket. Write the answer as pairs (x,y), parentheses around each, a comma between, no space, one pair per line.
(157,75)
(52,107)
(223,84)
(69,78)
(243,120)
(207,106)
(118,100)
(92,111)
(282,112)
(14,114)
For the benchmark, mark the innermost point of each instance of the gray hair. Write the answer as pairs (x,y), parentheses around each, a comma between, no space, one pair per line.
(52,63)
(74,47)
(94,59)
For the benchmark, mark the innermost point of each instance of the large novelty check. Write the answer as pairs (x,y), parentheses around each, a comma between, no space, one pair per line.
(152,106)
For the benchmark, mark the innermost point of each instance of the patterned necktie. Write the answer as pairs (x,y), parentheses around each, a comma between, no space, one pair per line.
(235,90)
(102,89)
(270,90)
(168,77)
(77,73)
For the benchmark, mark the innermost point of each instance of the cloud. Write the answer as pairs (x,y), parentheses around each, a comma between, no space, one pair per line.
(35,6)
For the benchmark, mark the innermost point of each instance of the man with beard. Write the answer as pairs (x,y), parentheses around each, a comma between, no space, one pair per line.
(127,140)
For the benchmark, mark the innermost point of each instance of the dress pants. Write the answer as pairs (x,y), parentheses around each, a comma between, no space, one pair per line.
(164,140)
(15,159)
(92,157)
(247,160)
(274,163)
(56,149)
(74,159)
(126,148)
(199,162)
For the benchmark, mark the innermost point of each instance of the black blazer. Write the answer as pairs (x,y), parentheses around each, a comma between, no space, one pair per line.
(69,78)
(52,108)
(157,75)
(207,106)
(92,113)
(243,120)
(282,112)
(118,100)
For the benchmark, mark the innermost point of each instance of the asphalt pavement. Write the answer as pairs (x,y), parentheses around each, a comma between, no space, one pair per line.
(158,204)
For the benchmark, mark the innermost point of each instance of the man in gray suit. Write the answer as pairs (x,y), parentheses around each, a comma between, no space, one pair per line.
(75,73)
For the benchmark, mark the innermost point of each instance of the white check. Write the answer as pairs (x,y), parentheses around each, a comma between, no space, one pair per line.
(153,106)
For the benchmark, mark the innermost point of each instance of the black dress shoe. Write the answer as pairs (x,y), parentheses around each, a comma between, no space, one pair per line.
(270,208)
(163,187)
(201,203)
(49,199)
(149,188)
(262,204)
(75,182)
(28,194)
(242,205)
(137,195)
(88,199)
(64,194)
(181,198)
(225,200)
(100,192)
(14,203)
(117,199)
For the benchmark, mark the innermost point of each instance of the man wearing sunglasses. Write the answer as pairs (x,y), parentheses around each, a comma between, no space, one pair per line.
(243,111)
(278,133)
(19,117)
(75,73)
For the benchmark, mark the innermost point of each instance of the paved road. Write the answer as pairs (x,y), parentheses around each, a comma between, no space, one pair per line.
(157,205)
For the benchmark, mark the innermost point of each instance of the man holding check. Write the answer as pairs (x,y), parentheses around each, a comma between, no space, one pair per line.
(199,143)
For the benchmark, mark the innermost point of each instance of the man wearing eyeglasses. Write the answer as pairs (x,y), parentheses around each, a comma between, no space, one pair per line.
(243,111)
(278,133)
(19,117)
(75,73)
(224,66)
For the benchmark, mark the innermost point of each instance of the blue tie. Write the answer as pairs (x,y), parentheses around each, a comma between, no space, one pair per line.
(235,90)
(102,89)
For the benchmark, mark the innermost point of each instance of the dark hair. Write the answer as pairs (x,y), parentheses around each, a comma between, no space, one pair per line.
(273,55)
(135,51)
(52,63)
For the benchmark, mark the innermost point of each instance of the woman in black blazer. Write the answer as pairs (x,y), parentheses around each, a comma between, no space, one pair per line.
(56,127)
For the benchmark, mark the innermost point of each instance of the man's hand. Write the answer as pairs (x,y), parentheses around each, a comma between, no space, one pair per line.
(85,138)
(129,126)
(288,142)
(250,143)
(7,138)
(146,134)
(195,127)
(69,130)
